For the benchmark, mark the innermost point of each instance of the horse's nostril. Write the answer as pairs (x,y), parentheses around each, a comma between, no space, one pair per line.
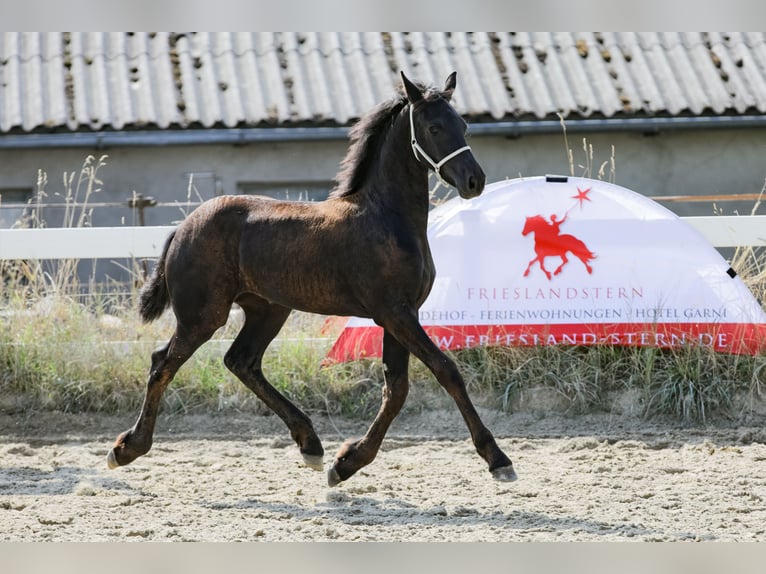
(472,183)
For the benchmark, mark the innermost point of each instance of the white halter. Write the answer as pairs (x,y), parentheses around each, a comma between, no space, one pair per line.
(417,149)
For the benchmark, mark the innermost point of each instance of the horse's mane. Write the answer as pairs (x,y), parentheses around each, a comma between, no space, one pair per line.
(367,136)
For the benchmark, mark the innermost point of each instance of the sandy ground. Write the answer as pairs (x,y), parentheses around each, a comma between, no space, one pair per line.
(232,478)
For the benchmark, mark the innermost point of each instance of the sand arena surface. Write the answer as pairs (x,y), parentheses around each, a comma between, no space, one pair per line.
(239,477)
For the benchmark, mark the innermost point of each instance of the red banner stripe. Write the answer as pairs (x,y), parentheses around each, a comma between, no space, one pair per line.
(736,338)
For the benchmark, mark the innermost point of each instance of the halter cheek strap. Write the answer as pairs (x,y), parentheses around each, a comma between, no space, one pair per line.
(417,149)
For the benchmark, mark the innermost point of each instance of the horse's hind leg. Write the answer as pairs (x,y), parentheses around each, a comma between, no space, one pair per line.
(354,455)
(262,323)
(165,363)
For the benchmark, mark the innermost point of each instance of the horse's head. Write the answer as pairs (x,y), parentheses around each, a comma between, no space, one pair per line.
(437,136)
(532,224)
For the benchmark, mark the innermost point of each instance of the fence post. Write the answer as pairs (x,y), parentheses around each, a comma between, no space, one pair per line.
(139,202)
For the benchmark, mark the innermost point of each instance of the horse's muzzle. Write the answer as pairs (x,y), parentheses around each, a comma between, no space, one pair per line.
(472,185)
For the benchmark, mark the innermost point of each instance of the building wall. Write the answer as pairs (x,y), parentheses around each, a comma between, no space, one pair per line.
(669,163)
(165,173)
(714,162)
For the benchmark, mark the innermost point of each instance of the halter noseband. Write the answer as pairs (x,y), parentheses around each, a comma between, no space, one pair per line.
(417,149)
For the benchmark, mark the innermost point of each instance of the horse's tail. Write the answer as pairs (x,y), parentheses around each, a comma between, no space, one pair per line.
(591,255)
(154,298)
(586,253)
(577,247)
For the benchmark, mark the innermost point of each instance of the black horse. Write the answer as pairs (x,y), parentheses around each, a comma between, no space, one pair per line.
(362,252)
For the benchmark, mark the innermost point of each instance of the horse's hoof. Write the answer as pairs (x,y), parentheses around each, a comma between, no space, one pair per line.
(333,478)
(111,460)
(313,461)
(505,474)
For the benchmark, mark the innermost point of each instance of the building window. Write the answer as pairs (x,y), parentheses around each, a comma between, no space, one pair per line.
(202,185)
(14,205)
(290,190)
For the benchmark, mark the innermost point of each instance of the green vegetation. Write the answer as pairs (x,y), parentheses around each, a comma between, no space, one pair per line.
(57,353)
(62,351)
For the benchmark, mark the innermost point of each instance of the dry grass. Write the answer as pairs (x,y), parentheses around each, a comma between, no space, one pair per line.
(61,351)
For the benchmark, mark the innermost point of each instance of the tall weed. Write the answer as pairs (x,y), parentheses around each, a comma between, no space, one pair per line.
(60,351)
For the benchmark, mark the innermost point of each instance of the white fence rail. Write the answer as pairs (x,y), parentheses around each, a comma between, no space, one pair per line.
(138,242)
(83,242)
(731,230)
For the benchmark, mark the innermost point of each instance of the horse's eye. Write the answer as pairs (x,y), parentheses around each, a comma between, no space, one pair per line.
(434,130)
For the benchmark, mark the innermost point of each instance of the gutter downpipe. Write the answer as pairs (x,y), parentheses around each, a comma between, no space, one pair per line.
(244,136)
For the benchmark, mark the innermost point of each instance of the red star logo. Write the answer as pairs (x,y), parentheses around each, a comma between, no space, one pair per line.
(582,195)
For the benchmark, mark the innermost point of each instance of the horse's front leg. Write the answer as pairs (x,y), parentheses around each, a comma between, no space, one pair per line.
(541,258)
(529,267)
(403,324)
(353,455)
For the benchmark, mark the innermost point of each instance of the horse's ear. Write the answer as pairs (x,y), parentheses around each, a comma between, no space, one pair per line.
(414,95)
(449,86)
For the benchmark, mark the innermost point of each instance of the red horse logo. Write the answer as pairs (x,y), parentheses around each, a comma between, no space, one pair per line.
(550,243)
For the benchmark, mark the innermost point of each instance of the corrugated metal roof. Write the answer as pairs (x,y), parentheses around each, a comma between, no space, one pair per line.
(108,80)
